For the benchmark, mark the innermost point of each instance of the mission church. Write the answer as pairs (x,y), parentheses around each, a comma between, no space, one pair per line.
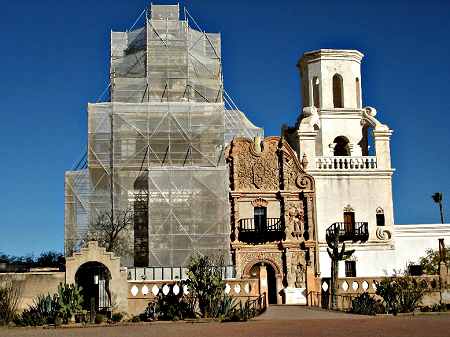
(200,178)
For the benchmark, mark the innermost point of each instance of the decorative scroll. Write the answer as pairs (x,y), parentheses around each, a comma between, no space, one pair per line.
(383,234)
(260,202)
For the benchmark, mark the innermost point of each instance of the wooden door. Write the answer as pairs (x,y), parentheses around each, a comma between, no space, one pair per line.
(349,222)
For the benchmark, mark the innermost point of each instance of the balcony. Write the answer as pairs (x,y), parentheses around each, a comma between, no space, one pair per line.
(269,230)
(346,163)
(357,231)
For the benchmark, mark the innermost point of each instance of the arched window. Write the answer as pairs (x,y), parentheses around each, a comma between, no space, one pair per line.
(316,97)
(358,93)
(338,93)
(341,147)
(364,142)
(380,217)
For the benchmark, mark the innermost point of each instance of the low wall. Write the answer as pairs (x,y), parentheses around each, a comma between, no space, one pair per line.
(140,293)
(34,284)
(351,287)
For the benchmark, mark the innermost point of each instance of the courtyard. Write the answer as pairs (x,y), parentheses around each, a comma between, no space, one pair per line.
(322,324)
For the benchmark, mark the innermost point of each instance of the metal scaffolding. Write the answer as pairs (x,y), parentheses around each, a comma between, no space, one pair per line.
(159,142)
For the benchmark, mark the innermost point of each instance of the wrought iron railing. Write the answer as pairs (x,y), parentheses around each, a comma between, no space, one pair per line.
(356,231)
(248,225)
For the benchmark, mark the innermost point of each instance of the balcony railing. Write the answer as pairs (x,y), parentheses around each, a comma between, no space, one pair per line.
(357,231)
(249,225)
(346,163)
(257,232)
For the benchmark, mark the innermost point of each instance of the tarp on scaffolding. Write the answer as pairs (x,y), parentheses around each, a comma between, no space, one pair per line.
(159,142)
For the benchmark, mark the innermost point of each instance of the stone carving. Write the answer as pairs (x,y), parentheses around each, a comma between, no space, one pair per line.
(270,170)
(248,259)
(296,218)
(300,276)
(304,161)
(297,271)
(383,234)
(290,174)
(254,170)
(304,182)
(260,202)
(348,208)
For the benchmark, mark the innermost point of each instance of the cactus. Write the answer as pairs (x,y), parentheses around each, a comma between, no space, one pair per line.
(336,255)
(69,300)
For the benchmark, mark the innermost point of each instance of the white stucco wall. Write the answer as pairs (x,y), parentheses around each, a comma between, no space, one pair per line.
(409,244)
(363,191)
(372,260)
(411,241)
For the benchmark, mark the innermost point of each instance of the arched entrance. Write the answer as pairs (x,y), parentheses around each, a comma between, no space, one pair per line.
(94,280)
(267,280)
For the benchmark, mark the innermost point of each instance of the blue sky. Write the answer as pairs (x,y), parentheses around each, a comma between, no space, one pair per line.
(54,60)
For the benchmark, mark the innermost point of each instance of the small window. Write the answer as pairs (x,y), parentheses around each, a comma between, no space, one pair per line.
(358,93)
(380,217)
(415,270)
(316,97)
(350,268)
(338,95)
(260,218)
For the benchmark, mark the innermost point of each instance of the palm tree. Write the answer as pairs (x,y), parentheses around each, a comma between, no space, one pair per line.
(437,198)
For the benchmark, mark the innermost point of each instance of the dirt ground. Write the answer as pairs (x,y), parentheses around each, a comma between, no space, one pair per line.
(408,326)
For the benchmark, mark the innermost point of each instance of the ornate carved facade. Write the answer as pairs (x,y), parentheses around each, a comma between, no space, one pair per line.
(272,211)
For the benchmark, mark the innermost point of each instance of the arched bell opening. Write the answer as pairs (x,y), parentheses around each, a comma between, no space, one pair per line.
(341,147)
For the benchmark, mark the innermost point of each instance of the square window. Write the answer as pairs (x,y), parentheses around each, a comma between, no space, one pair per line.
(350,268)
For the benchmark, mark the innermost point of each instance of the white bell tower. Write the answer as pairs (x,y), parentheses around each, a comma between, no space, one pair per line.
(332,138)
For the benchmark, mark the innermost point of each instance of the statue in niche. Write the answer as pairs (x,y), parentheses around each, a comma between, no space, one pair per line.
(300,276)
(296,219)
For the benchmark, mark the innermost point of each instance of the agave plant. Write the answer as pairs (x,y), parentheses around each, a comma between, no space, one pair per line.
(47,306)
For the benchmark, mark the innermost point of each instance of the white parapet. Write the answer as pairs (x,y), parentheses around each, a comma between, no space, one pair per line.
(346,163)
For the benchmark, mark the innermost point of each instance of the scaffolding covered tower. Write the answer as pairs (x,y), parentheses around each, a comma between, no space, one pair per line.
(156,147)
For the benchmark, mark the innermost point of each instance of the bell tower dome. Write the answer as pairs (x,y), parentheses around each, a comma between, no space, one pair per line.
(331,79)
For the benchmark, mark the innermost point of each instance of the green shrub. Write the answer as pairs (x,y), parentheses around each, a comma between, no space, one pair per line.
(170,307)
(48,307)
(225,307)
(364,304)
(44,310)
(10,294)
(439,307)
(117,317)
(135,319)
(58,321)
(31,317)
(205,283)
(401,293)
(99,318)
(241,312)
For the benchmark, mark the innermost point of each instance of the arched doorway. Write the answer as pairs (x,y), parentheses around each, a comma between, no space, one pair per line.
(267,280)
(94,280)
